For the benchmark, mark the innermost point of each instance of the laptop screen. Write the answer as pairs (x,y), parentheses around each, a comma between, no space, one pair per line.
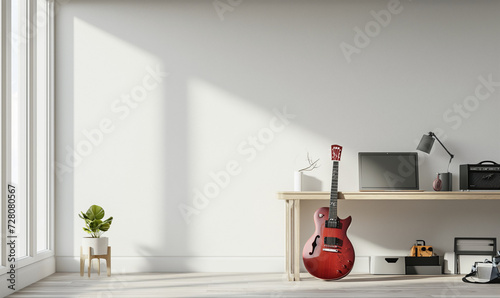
(388,171)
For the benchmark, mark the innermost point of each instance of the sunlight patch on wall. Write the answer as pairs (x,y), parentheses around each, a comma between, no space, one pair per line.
(116,86)
(228,140)
(220,124)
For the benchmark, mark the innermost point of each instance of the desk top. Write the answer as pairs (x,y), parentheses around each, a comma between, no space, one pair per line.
(391,195)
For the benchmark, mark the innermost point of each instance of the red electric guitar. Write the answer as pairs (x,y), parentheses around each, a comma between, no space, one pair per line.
(329,254)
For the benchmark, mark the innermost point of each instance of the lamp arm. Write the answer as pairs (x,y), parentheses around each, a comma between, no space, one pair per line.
(434,135)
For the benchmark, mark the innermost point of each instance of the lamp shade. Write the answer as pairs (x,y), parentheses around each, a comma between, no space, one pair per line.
(426,143)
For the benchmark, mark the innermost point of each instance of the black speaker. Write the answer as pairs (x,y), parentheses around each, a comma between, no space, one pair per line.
(482,176)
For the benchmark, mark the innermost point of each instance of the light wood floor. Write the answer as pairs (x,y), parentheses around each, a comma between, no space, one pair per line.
(272,285)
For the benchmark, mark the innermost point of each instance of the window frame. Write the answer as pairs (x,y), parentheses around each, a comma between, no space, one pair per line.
(29,125)
(4,28)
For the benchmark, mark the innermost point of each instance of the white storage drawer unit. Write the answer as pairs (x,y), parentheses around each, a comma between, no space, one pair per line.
(387,265)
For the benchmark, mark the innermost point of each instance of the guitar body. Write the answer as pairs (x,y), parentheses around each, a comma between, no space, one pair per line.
(332,260)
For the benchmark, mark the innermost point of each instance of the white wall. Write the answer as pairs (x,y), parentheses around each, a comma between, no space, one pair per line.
(209,110)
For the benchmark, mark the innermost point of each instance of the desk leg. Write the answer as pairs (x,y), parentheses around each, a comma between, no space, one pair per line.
(288,239)
(296,240)
(292,241)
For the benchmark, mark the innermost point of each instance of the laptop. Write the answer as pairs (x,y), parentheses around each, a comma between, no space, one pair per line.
(388,171)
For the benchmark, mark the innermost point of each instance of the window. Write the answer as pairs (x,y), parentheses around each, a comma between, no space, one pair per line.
(27,126)
(17,133)
(3,30)
(43,128)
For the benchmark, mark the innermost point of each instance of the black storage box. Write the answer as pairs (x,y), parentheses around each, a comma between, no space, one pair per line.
(423,265)
(424,270)
(422,261)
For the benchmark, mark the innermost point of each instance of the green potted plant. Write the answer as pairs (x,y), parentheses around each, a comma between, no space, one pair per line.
(95,226)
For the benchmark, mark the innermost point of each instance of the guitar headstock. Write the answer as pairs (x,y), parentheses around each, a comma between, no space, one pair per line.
(336,152)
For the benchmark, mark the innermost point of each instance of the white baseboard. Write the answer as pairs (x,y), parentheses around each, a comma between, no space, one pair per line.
(361,265)
(27,275)
(194,264)
(179,264)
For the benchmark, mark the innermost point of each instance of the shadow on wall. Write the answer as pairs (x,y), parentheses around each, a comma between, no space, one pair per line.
(150,160)
(391,227)
(310,183)
(64,155)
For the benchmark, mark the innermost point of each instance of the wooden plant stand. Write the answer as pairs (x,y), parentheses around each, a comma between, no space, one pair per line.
(90,257)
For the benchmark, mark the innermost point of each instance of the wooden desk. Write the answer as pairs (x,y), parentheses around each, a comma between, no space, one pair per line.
(293,251)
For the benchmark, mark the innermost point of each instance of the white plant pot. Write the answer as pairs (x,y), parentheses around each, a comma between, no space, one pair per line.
(98,246)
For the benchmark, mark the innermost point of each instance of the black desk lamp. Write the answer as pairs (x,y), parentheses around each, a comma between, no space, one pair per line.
(443,181)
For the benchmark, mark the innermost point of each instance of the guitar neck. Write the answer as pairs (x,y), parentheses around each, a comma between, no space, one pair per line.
(332,215)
